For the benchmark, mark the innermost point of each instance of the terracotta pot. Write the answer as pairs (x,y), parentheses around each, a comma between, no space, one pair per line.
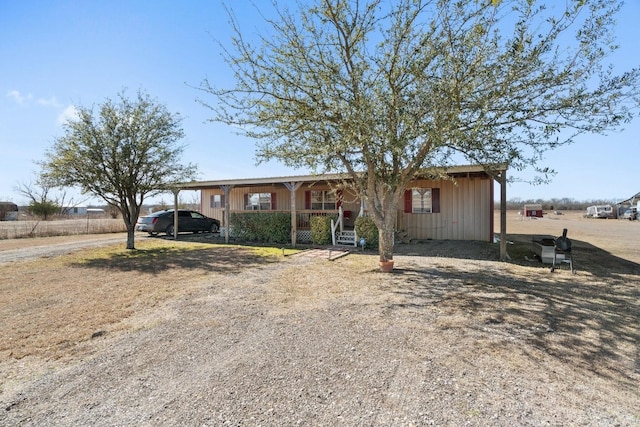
(386,266)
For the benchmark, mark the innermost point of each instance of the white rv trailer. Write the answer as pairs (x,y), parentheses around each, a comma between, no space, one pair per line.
(600,211)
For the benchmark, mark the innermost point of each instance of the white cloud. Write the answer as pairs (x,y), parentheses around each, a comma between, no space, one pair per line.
(51,102)
(69,114)
(18,97)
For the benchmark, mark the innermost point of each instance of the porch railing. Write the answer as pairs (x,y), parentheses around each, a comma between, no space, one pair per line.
(304,218)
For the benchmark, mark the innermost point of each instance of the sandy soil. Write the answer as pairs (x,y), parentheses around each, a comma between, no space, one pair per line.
(207,334)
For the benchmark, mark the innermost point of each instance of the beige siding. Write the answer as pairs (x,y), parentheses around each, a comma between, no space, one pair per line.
(283,199)
(236,199)
(205,204)
(465,207)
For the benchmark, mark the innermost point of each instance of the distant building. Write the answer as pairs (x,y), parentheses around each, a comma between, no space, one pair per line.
(74,210)
(533,210)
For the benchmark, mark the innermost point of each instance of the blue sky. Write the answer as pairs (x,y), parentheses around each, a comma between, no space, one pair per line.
(57,54)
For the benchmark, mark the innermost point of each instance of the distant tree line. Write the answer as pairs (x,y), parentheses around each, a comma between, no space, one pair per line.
(561,204)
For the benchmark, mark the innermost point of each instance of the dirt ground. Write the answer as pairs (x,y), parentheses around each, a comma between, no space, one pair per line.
(199,333)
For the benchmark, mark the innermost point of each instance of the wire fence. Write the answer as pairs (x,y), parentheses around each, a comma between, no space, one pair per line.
(65,227)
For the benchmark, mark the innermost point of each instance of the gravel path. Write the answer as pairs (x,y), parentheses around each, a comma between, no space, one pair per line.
(293,343)
(13,250)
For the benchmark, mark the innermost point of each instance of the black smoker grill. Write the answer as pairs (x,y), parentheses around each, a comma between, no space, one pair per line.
(563,246)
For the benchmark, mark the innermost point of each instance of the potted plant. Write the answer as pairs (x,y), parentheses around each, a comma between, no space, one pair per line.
(386,265)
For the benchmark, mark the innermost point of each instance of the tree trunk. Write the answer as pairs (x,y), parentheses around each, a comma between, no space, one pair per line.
(386,236)
(130,211)
(131,231)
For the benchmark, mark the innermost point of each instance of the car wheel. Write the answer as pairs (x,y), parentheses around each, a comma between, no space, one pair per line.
(170,230)
(214,228)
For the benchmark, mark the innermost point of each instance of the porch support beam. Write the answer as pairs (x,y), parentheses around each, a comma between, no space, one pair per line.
(502,179)
(293,186)
(226,189)
(175,192)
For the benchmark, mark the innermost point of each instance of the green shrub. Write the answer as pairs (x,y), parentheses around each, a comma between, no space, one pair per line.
(267,227)
(365,228)
(44,209)
(321,229)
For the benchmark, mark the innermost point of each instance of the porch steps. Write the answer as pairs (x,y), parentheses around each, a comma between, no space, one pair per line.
(346,237)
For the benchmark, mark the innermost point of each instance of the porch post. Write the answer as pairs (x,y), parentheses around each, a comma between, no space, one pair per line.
(175,212)
(226,189)
(502,179)
(293,186)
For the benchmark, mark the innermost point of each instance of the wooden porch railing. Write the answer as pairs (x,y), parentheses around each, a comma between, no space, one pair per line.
(304,217)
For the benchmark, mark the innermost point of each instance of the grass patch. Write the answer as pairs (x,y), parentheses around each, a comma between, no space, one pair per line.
(159,256)
(144,250)
(50,306)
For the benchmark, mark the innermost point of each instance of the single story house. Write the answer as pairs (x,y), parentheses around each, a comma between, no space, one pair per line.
(457,208)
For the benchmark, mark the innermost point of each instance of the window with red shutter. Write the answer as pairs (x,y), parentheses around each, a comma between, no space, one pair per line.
(217,201)
(259,201)
(407,201)
(435,200)
(422,200)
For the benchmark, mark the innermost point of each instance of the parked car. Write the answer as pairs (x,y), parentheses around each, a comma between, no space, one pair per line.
(630,214)
(190,221)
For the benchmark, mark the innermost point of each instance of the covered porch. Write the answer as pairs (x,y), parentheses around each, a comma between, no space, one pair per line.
(456,205)
(301,197)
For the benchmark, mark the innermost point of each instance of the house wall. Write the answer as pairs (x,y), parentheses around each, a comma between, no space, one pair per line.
(283,199)
(236,199)
(466,207)
(466,211)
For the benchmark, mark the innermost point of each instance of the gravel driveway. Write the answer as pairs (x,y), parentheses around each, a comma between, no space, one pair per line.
(452,337)
(25,249)
(307,341)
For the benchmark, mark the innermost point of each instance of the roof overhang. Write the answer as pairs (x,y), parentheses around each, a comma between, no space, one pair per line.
(631,200)
(453,171)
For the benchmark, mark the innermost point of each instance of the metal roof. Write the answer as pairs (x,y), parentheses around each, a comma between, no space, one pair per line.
(631,200)
(195,185)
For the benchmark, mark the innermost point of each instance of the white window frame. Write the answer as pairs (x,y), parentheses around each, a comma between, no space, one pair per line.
(421,200)
(216,201)
(258,202)
(322,200)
